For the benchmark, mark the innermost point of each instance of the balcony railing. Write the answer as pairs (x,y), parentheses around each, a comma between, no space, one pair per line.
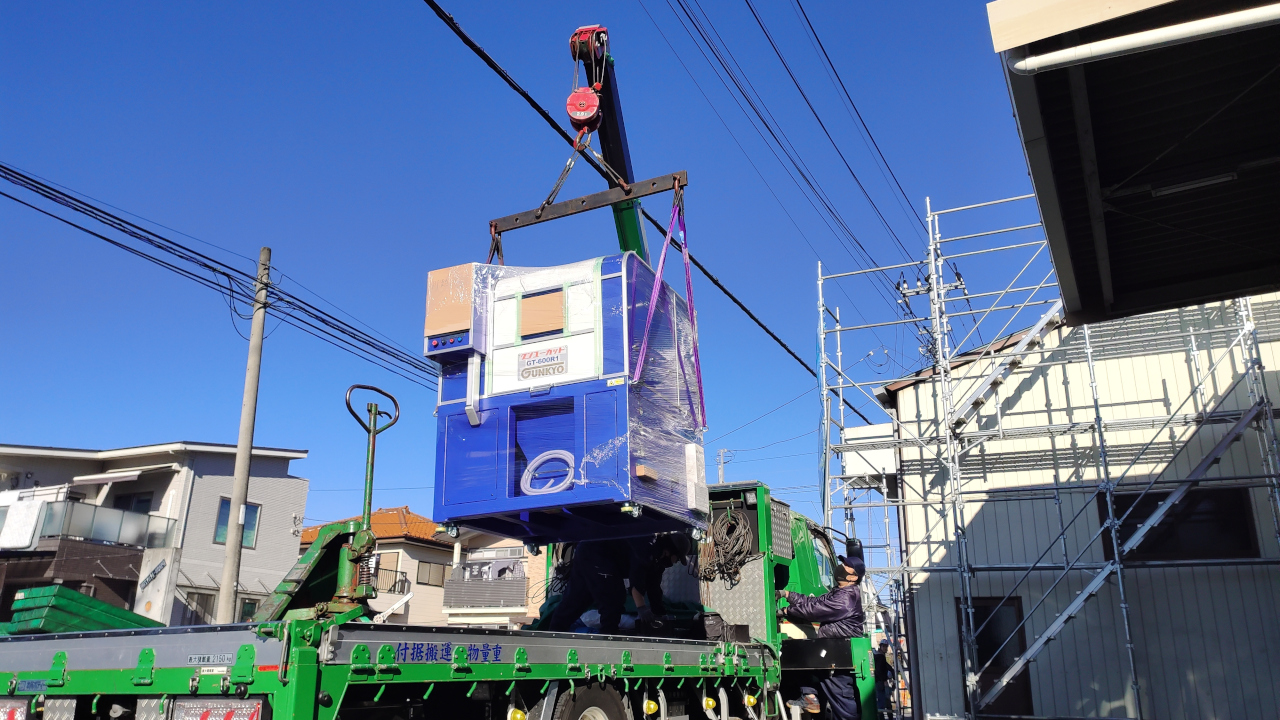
(498,593)
(392,581)
(91,522)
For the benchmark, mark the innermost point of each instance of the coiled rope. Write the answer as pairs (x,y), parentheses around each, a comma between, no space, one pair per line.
(731,547)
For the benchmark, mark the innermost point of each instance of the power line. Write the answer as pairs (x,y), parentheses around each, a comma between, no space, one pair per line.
(493,65)
(787,149)
(758,417)
(866,131)
(778,457)
(795,81)
(746,90)
(375,488)
(776,442)
(712,41)
(724,65)
(193,264)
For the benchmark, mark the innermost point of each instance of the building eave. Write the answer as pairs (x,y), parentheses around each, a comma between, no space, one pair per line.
(143,450)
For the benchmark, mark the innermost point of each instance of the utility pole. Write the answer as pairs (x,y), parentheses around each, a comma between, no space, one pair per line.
(244,446)
(723,456)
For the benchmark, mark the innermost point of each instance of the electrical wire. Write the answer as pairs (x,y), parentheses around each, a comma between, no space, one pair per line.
(759,417)
(795,81)
(776,442)
(909,209)
(778,457)
(712,40)
(480,52)
(725,63)
(375,489)
(240,286)
(755,123)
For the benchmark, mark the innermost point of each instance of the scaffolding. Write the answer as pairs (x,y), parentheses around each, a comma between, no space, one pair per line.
(966,376)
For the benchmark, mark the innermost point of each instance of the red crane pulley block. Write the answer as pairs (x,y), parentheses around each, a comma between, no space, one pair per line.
(584,109)
(589,44)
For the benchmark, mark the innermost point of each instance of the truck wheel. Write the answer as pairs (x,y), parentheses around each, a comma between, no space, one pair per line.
(596,701)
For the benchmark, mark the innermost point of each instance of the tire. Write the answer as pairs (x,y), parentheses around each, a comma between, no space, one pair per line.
(596,701)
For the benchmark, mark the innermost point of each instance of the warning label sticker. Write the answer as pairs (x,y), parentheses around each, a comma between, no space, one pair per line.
(545,363)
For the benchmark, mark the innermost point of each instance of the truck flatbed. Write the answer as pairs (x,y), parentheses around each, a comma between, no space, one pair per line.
(316,656)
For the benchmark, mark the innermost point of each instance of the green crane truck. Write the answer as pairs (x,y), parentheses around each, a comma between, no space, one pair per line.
(314,653)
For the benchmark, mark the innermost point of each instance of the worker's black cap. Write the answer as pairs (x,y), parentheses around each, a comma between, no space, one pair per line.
(855,565)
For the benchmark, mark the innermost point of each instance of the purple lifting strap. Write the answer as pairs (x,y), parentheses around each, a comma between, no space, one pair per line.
(693,320)
(653,296)
(677,212)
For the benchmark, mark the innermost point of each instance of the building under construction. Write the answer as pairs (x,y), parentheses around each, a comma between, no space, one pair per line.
(1080,517)
(994,500)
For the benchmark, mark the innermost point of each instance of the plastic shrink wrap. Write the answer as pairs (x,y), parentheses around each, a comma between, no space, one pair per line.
(542,434)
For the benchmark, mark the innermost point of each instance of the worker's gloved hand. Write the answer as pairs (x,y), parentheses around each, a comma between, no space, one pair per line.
(646,614)
(782,595)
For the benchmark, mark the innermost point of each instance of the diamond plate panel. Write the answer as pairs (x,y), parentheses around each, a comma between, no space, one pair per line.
(149,709)
(680,584)
(60,709)
(780,517)
(744,603)
(227,708)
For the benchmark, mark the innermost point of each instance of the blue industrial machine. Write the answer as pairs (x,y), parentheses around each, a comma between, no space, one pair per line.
(546,431)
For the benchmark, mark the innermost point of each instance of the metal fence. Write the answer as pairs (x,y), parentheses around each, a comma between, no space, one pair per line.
(392,581)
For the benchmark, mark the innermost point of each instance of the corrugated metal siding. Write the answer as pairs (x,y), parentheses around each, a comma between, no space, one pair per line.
(1207,639)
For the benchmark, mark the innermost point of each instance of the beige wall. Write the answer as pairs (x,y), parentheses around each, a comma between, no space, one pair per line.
(426,607)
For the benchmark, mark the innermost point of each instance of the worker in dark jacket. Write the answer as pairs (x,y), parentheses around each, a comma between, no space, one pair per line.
(601,571)
(841,616)
(885,675)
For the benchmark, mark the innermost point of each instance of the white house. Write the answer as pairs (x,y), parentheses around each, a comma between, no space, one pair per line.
(144,527)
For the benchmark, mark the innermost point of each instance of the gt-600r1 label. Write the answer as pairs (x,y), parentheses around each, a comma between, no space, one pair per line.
(546,363)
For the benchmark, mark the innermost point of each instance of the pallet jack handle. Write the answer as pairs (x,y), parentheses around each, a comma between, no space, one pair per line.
(371,427)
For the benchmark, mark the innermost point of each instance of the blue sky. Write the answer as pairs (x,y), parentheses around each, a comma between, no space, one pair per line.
(367,146)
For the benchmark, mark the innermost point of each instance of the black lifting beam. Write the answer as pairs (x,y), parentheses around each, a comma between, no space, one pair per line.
(604,198)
